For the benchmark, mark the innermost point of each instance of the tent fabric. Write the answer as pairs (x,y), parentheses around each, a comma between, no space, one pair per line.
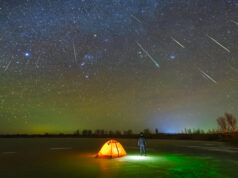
(111,149)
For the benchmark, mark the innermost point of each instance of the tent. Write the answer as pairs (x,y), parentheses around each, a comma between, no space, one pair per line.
(111,149)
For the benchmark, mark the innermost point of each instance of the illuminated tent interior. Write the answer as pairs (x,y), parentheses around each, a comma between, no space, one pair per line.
(111,149)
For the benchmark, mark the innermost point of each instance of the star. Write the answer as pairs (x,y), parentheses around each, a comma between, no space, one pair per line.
(86,76)
(172,57)
(27,54)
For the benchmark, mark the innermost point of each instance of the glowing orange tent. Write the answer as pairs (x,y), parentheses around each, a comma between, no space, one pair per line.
(111,149)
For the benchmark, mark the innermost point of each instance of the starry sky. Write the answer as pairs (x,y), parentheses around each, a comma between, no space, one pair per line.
(117,64)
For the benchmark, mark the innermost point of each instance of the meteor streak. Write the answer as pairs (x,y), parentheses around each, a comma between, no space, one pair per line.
(219,44)
(75,54)
(207,76)
(146,52)
(177,42)
(37,62)
(234,22)
(134,17)
(204,76)
(7,66)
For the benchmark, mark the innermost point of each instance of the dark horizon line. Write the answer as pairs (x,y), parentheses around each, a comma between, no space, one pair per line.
(130,134)
(115,132)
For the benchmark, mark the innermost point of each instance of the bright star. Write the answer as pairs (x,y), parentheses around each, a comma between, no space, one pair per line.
(27,54)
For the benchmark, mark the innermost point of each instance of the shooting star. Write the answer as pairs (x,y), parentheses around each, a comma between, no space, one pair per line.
(205,75)
(177,42)
(8,65)
(234,22)
(146,52)
(219,44)
(37,62)
(75,54)
(138,20)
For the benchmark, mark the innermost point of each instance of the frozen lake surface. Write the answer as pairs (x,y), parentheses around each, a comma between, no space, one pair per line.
(75,157)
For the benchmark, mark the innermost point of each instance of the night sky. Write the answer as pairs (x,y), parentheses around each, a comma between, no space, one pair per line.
(117,64)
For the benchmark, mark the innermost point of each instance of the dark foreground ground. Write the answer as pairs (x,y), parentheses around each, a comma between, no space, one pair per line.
(74,157)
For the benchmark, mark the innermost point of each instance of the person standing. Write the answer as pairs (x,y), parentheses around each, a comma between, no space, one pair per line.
(142,144)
